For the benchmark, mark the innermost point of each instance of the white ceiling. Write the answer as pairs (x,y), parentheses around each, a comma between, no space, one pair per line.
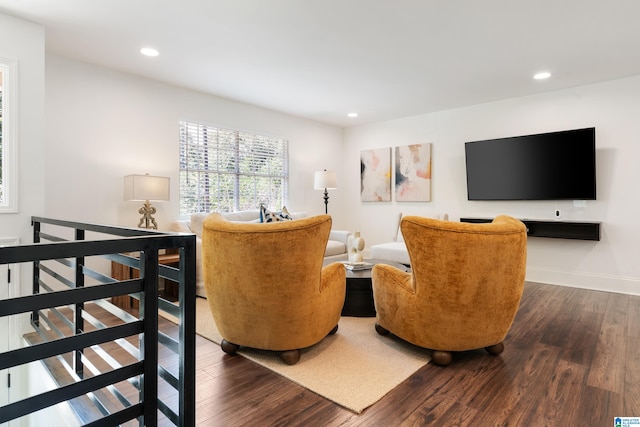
(321,59)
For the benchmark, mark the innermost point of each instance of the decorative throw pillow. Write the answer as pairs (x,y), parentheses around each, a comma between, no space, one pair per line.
(267,216)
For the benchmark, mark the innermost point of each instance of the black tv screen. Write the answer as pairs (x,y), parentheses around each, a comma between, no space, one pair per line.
(547,166)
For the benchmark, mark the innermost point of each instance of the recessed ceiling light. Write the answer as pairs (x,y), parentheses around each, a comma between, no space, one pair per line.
(148,51)
(352,115)
(542,75)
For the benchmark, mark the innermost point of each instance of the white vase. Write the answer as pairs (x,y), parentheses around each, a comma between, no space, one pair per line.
(355,246)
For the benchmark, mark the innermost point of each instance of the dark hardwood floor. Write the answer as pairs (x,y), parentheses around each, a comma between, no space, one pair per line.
(572,358)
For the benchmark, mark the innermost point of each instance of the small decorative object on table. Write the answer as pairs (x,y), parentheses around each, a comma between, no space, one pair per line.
(355,246)
(358,265)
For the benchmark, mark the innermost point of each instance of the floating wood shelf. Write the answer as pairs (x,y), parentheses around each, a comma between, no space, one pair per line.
(554,229)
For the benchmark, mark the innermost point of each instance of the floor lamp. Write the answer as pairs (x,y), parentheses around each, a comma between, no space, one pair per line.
(325,180)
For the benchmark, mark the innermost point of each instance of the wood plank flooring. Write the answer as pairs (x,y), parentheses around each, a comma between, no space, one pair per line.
(572,358)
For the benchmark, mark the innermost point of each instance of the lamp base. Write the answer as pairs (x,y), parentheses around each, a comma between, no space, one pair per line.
(147,218)
(326,201)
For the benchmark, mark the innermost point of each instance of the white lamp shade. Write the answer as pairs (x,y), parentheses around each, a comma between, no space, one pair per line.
(325,179)
(146,187)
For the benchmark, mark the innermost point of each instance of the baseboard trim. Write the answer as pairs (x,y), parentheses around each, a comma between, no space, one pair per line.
(595,282)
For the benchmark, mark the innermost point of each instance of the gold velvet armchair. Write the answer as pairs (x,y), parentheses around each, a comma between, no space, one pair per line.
(266,286)
(464,289)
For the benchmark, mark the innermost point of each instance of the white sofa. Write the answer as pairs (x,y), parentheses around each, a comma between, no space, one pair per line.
(396,250)
(336,246)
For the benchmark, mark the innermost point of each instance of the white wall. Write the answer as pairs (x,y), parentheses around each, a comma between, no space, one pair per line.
(103,125)
(612,107)
(23,42)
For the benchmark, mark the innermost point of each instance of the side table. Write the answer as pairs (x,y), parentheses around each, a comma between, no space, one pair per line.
(358,300)
(167,288)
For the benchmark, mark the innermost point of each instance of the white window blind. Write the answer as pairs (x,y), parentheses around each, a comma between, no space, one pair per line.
(227,170)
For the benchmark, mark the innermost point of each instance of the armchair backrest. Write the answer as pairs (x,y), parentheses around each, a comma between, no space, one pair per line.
(467,274)
(272,270)
(266,255)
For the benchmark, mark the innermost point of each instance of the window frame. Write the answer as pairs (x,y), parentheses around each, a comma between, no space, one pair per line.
(219,147)
(8,146)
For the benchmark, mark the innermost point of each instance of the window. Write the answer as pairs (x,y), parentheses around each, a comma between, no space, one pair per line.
(8,162)
(228,170)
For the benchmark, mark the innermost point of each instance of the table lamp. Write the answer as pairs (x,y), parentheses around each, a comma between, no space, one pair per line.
(146,188)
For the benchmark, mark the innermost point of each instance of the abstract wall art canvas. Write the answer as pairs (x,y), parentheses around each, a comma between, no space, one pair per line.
(413,173)
(375,175)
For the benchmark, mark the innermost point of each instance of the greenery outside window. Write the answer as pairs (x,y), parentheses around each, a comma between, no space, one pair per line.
(228,170)
(8,161)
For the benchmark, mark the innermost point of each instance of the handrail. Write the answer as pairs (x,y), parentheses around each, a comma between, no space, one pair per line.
(62,278)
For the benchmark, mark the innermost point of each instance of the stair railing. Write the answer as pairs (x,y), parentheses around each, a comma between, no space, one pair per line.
(67,292)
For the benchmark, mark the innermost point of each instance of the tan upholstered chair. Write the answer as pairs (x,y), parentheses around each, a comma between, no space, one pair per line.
(464,289)
(266,285)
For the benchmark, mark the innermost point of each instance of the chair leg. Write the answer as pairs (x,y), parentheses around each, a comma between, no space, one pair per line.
(228,347)
(441,358)
(334,330)
(381,330)
(495,349)
(290,357)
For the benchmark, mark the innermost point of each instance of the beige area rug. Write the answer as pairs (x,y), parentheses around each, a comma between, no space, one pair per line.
(354,368)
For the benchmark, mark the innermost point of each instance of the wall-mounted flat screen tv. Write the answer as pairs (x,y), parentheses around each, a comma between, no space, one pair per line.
(547,166)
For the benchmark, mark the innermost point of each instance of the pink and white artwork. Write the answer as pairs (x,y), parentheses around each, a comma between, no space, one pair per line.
(375,175)
(413,173)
